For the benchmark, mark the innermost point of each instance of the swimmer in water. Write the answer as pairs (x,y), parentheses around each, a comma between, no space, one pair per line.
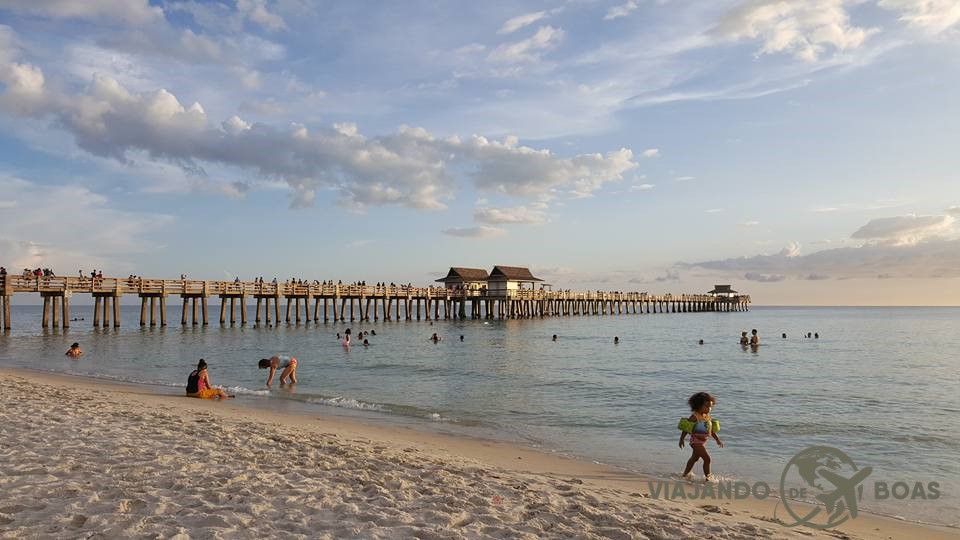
(435,338)
(616,340)
(744,340)
(554,337)
(74,351)
(754,338)
(366,343)
(287,364)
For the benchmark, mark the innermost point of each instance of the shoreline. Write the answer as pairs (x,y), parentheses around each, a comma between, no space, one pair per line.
(603,486)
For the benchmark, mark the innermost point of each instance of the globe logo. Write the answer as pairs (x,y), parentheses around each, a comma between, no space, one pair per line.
(831,477)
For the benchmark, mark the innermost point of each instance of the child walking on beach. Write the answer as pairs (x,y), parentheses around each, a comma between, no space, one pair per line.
(701,427)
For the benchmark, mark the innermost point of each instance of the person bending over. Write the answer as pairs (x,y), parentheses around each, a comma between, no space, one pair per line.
(286,364)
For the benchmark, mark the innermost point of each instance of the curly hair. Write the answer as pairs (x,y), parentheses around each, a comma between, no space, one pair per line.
(698,400)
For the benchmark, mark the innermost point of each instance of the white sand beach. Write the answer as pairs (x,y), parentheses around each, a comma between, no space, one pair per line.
(81,458)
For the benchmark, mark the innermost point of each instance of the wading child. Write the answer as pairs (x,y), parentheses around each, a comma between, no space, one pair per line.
(286,364)
(700,427)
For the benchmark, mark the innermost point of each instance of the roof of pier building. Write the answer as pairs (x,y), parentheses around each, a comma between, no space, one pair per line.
(722,289)
(512,273)
(464,275)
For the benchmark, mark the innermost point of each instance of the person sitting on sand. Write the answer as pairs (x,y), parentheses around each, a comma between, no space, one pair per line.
(754,338)
(701,404)
(287,364)
(744,340)
(199,386)
(74,351)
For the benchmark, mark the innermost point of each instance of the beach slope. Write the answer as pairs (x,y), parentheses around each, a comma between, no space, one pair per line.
(81,458)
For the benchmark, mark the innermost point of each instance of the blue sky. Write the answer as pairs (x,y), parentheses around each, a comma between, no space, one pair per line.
(804,151)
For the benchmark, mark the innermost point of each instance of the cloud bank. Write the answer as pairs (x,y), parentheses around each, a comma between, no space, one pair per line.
(896,247)
(410,167)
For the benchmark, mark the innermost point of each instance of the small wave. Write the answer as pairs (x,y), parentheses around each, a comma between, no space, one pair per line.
(347,403)
(246,391)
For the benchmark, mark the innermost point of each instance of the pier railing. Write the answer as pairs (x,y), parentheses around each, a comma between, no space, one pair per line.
(360,299)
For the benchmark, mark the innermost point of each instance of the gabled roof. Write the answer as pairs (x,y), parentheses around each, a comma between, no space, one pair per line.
(464,274)
(512,273)
(722,289)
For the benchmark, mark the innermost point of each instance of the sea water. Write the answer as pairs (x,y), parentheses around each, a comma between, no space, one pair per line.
(880,384)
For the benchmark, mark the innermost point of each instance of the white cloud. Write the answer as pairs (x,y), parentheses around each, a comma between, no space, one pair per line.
(622,10)
(792,250)
(256,11)
(642,187)
(515,215)
(410,167)
(714,210)
(32,232)
(134,12)
(930,16)
(806,29)
(520,21)
(528,50)
(905,230)
(474,232)
(651,153)
(897,247)
(763,278)
(749,223)
(683,178)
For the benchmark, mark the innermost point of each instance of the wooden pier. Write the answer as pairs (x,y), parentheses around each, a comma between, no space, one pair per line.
(304,303)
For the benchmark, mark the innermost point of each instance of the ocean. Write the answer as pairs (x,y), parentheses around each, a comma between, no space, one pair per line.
(880,384)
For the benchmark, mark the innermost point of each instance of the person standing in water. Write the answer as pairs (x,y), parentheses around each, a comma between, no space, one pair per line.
(754,338)
(287,365)
(74,351)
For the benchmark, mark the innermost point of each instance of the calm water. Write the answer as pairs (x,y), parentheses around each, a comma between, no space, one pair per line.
(880,384)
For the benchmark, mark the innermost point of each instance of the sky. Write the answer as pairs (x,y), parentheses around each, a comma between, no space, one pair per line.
(804,152)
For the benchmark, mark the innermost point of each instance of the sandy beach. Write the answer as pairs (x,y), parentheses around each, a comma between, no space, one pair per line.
(83,458)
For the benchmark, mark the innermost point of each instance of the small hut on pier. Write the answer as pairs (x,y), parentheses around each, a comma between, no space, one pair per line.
(506,279)
(724,291)
(468,279)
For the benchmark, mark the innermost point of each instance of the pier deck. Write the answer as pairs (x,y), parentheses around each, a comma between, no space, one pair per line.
(315,302)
